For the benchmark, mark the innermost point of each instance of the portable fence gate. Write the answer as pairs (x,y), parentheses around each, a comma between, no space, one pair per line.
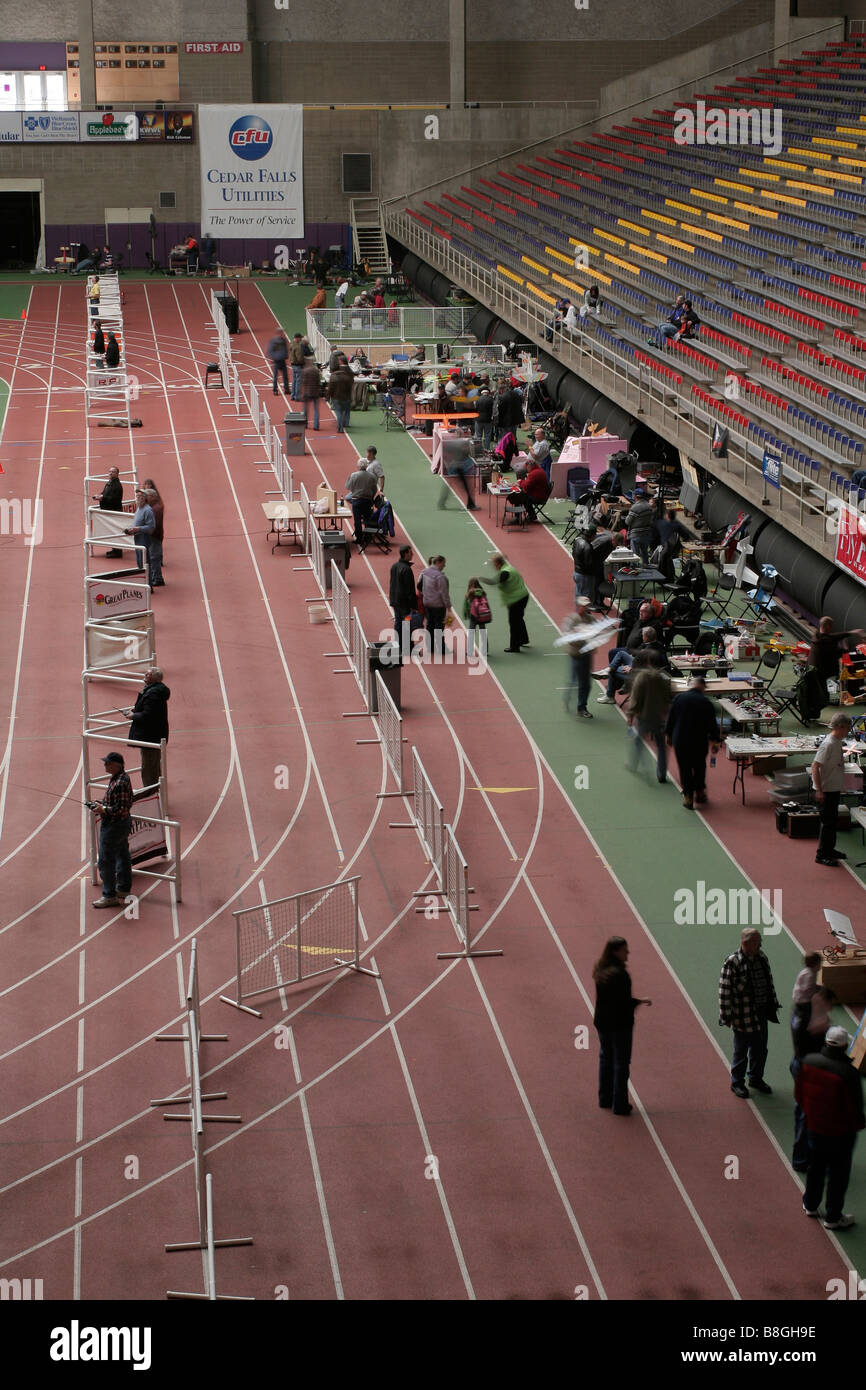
(429,817)
(390,724)
(456,890)
(286,941)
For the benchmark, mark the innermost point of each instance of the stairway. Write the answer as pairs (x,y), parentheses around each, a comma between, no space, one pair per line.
(368,234)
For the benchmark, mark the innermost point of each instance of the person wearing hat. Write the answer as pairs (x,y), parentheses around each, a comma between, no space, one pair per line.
(691,727)
(580,657)
(115,824)
(830,1093)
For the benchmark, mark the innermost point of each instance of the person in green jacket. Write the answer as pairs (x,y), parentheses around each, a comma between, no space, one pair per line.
(515,596)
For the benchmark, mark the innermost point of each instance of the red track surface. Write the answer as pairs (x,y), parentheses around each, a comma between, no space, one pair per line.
(471,1065)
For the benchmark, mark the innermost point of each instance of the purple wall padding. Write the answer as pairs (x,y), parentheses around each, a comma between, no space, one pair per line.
(30,57)
(231,251)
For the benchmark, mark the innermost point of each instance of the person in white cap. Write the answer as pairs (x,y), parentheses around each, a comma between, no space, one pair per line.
(830,1093)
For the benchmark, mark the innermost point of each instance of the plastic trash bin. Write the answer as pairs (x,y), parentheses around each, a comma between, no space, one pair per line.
(231,311)
(390,673)
(336,549)
(295,427)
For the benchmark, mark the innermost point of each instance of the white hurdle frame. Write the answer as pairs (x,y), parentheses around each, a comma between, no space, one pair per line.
(456,890)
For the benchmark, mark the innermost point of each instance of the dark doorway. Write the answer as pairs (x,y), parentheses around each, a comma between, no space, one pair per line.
(20,230)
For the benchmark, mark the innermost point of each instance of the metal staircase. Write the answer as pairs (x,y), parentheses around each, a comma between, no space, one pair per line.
(368,234)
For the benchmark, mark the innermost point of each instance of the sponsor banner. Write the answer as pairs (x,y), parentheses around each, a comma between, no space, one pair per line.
(146,841)
(252,170)
(213,46)
(50,125)
(851,543)
(11,128)
(108,126)
(172,126)
(108,598)
(771,467)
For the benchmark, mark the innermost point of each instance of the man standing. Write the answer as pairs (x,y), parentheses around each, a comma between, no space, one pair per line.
(436,597)
(360,491)
(829,1091)
(296,358)
(507,409)
(691,725)
(115,823)
(110,499)
(825,651)
(278,352)
(401,593)
(340,300)
(583,557)
(310,390)
(340,395)
(375,467)
(647,709)
(747,1002)
(640,522)
(142,529)
(515,596)
(154,553)
(150,723)
(828,779)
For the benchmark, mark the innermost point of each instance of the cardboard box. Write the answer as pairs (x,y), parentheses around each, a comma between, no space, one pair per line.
(846,978)
(329,495)
(857,1050)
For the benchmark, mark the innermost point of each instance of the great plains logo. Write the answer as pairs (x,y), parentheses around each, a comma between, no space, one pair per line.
(250,137)
(108,600)
(77,1343)
(738,125)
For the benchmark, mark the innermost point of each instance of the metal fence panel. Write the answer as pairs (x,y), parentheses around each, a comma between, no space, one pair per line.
(429,815)
(341,607)
(294,938)
(360,660)
(390,727)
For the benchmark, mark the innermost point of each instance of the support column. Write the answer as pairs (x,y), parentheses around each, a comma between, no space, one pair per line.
(457,52)
(87,71)
(781,27)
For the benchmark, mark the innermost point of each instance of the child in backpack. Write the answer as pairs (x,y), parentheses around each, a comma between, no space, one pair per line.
(476,612)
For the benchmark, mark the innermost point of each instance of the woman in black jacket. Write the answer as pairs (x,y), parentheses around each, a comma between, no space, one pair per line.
(614,1022)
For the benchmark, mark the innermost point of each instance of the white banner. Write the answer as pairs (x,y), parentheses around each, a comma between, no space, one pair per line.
(10,127)
(109,127)
(108,598)
(51,125)
(252,170)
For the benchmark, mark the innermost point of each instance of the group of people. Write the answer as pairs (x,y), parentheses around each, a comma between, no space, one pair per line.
(146,524)
(427,601)
(571,317)
(828,1092)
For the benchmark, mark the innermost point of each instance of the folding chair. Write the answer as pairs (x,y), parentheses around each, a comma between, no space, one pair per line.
(394,409)
(773,662)
(538,508)
(728,584)
(379,529)
(783,700)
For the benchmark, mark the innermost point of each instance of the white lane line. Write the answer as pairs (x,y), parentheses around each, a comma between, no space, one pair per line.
(382,995)
(296,1066)
(438,1182)
(6,760)
(320,1194)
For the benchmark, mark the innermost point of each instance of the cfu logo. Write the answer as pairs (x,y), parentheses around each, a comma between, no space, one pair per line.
(250,137)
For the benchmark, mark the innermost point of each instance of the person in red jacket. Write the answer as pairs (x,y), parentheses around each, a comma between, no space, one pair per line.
(829,1092)
(535,490)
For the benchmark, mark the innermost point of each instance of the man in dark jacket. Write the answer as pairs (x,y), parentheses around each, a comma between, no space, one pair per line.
(401,592)
(110,499)
(278,353)
(150,723)
(98,338)
(583,557)
(691,726)
(829,1091)
(112,352)
(340,396)
(507,409)
(826,649)
(640,523)
(483,404)
(747,1003)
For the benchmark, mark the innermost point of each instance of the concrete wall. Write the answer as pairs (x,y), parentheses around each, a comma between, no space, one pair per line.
(173,20)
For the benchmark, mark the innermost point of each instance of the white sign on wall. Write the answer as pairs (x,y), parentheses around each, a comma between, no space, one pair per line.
(50,125)
(252,170)
(109,127)
(10,127)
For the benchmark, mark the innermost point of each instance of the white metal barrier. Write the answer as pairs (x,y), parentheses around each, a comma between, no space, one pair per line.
(341,607)
(317,556)
(408,324)
(429,815)
(456,890)
(287,940)
(390,729)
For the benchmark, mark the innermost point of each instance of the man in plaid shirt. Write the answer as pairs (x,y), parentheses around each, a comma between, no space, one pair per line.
(747,1001)
(115,823)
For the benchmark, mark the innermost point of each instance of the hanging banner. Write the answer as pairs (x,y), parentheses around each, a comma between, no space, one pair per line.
(851,543)
(109,127)
(252,170)
(51,125)
(146,840)
(10,127)
(175,126)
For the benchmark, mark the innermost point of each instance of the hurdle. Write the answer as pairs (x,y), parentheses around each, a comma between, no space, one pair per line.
(281,942)
(192,1038)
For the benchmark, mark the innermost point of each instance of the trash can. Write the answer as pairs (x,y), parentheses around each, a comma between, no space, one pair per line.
(336,549)
(295,425)
(231,312)
(388,670)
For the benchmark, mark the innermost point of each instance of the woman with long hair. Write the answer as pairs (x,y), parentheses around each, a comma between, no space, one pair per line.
(614,1021)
